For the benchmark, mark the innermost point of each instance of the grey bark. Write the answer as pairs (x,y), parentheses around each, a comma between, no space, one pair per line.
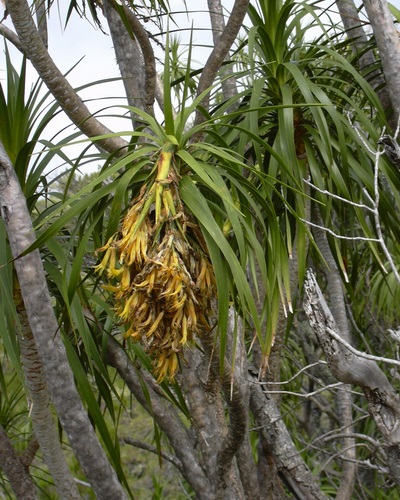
(350,368)
(130,60)
(244,456)
(58,85)
(165,416)
(352,24)
(14,469)
(220,376)
(44,326)
(344,400)
(219,53)
(279,444)
(41,20)
(42,420)
(11,37)
(228,81)
(387,40)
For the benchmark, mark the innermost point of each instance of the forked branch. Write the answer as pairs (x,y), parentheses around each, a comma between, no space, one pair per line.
(351,368)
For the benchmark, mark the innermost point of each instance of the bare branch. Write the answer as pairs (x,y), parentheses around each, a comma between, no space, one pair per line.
(153,449)
(360,354)
(308,394)
(337,197)
(305,368)
(339,236)
(350,368)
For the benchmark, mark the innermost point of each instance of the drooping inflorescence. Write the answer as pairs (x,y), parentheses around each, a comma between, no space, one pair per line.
(159,271)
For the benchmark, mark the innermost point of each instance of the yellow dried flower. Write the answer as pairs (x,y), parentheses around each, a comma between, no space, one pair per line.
(162,277)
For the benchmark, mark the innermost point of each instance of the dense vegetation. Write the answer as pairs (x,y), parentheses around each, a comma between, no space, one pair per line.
(214,312)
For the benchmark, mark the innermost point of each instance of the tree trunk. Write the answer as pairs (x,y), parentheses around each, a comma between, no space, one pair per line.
(40,413)
(344,399)
(129,59)
(45,329)
(387,40)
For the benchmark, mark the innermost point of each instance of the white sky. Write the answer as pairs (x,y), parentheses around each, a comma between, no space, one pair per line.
(80,39)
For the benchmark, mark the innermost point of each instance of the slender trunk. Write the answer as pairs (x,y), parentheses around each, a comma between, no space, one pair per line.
(40,413)
(220,51)
(129,58)
(165,416)
(353,26)
(387,40)
(279,445)
(45,329)
(344,400)
(228,81)
(41,19)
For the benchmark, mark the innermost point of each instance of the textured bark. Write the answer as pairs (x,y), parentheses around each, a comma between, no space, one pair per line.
(45,329)
(279,444)
(205,408)
(387,40)
(58,85)
(130,60)
(219,52)
(344,399)
(350,368)
(14,469)
(11,37)
(42,419)
(165,416)
(352,24)
(244,455)
(236,430)
(41,20)
(228,81)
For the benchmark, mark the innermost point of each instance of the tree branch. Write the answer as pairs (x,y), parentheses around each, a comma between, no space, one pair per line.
(153,449)
(46,431)
(148,56)
(219,53)
(41,19)
(11,37)
(344,400)
(388,43)
(129,59)
(44,326)
(350,368)
(228,81)
(354,30)
(58,85)
(237,412)
(164,415)
(277,438)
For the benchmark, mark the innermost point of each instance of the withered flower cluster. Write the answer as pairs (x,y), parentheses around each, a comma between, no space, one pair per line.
(159,271)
